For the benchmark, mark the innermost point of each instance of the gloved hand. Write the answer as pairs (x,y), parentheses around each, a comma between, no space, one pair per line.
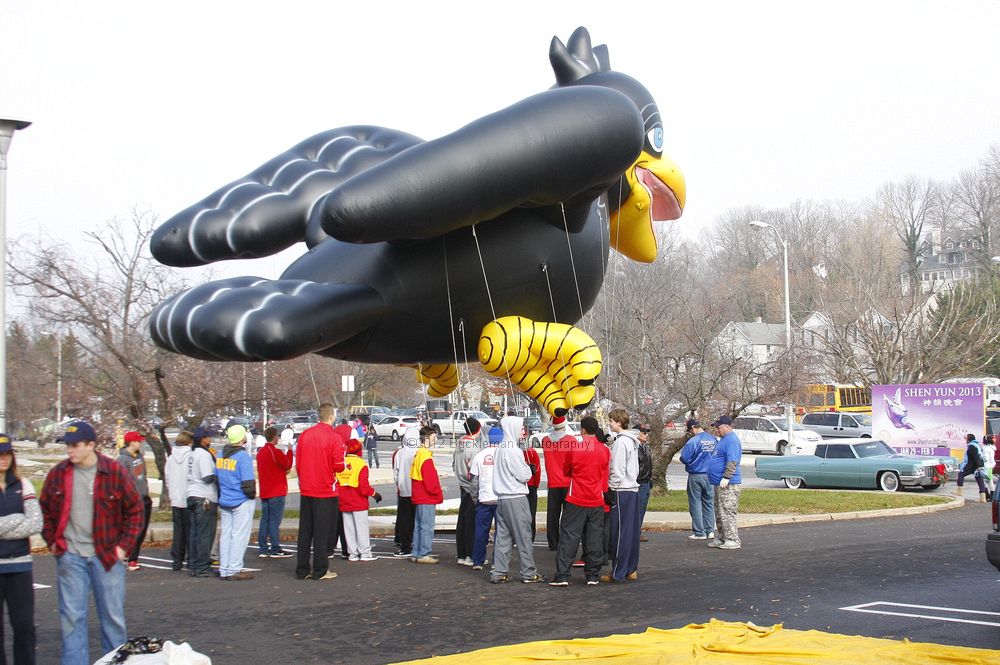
(534,468)
(724,482)
(609,499)
(377,497)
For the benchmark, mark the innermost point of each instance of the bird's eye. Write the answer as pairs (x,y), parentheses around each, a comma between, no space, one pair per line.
(655,138)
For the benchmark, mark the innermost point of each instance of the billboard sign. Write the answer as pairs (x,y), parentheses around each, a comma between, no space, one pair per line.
(928,419)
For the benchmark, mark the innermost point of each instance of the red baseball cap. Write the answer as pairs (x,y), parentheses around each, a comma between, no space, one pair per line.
(133,436)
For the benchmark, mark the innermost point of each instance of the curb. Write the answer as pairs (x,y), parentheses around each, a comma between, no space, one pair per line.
(164,533)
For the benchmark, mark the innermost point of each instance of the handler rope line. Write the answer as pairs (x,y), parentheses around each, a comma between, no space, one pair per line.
(451,320)
(572,262)
(493,311)
(562,351)
(313,379)
(423,389)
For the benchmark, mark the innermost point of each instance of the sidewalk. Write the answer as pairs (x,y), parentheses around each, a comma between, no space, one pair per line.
(382,525)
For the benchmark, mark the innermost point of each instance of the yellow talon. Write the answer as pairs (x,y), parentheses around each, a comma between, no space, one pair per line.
(553,363)
(440,379)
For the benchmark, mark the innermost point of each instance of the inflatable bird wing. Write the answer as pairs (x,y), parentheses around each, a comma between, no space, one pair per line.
(494,237)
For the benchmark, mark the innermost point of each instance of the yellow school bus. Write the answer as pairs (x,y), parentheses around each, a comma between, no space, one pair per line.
(834,397)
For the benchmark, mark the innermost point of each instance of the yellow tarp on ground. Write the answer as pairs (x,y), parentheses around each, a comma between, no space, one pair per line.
(725,642)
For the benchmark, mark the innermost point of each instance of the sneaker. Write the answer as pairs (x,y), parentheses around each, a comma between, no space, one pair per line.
(715,543)
(711,535)
(400,554)
(133,565)
(263,555)
(329,575)
(579,564)
(425,559)
(730,545)
(633,576)
(354,558)
(368,557)
(499,579)
(607,579)
(534,579)
(560,583)
(592,582)
(238,577)
(475,567)
(695,536)
(467,561)
(281,555)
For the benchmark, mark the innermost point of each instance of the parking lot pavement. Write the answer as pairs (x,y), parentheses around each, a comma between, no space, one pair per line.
(801,575)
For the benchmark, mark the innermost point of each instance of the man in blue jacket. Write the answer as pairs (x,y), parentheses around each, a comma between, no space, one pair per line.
(696,457)
(724,475)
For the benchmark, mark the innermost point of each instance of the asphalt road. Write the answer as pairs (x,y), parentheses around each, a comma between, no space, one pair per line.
(801,575)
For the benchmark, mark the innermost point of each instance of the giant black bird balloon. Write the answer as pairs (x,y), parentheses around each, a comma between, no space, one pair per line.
(495,237)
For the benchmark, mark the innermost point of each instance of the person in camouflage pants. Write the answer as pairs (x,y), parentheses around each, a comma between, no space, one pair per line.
(724,475)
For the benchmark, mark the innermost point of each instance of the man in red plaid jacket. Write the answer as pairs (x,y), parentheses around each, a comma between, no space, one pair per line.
(93,515)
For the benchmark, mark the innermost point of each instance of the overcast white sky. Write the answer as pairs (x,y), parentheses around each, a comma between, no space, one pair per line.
(156,105)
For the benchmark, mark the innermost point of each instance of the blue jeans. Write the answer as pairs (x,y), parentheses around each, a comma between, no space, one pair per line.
(236,523)
(77,575)
(272,511)
(484,518)
(423,529)
(644,490)
(701,504)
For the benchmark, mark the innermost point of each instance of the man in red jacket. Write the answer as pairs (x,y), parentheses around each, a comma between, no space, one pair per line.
(273,466)
(320,456)
(586,466)
(556,445)
(92,518)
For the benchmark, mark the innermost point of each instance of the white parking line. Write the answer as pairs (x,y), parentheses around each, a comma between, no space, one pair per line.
(867,607)
(145,559)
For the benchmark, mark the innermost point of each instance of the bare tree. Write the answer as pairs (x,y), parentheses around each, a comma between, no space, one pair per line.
(906,207)
(102,297)
(978,194)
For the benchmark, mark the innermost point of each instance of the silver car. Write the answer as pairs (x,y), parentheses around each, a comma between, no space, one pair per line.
(835,425)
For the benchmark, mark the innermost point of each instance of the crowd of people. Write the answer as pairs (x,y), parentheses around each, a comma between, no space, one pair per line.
(93,511)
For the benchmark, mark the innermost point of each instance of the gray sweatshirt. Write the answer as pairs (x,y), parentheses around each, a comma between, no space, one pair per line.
(510,472)
(624,469)
(403,460)
(467,448)
(136,468)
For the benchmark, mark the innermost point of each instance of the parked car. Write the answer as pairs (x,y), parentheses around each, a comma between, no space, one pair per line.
(393,427)
(535,440)
(837,425)
(533,424)
(993,538)
(770,434)
(453,424)
(298,423)
(858,463)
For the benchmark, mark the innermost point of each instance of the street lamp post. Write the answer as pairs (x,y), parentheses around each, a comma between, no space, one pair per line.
(788,310)
(7,128)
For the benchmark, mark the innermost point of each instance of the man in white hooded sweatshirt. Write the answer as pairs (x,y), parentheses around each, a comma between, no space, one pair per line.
(176,470)
(402,460)
(510,477)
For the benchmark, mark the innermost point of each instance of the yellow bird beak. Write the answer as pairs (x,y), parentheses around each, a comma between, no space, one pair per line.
(656,194)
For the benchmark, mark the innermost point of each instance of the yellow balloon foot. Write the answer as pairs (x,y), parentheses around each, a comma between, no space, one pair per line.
(440,379)
(553,363)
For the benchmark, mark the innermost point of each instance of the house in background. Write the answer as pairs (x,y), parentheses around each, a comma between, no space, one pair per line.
(948,260)
(754,341)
